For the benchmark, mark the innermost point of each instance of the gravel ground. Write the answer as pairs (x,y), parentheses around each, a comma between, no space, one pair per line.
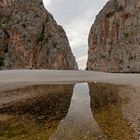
(17,78)
(131,109)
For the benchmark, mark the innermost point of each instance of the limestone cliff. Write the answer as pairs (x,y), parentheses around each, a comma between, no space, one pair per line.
(114,39)
(31,38)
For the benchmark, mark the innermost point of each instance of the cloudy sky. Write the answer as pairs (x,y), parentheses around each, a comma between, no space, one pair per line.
(76,17)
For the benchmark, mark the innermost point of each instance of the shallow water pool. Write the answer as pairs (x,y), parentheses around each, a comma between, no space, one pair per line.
(82,111)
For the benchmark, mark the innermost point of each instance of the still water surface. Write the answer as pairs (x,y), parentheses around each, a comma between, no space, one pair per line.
(79,122)
(63,112)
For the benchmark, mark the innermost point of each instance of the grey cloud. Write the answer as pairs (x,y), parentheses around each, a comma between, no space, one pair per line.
(67,10)
(76,16)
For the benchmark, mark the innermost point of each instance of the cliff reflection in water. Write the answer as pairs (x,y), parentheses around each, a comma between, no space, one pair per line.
(106,106)
(63,112)
(36,112)
(79,123)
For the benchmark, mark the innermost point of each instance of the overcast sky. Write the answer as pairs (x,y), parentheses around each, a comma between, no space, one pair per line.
(76,17)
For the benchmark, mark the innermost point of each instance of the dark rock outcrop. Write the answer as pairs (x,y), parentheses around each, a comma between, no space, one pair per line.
(31,38)
(114,39)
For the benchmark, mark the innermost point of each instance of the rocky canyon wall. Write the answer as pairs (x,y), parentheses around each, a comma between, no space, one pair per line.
(114,39)
(31,38)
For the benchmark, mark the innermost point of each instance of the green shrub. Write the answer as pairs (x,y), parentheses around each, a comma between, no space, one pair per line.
(1,62)
(40,36)
(46,20)
(4,22)
(24,25)
(126,35)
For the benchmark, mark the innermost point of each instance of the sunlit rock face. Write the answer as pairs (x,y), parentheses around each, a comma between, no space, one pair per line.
(114,39)
(32,37)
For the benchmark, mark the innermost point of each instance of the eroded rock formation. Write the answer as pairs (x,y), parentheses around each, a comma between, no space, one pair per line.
(114,39)
(31,38)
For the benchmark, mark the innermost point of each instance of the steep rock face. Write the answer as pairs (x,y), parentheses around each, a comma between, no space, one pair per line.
(114,39)
(31,38)
(4,12)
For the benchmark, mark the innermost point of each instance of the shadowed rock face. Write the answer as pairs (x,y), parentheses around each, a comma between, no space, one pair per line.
(114,39)
(32,38)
